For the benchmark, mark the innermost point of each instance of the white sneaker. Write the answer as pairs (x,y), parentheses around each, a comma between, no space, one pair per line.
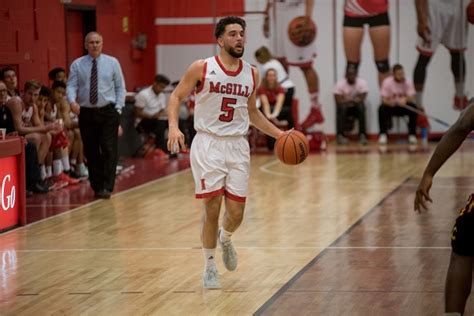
(82,170)
(412,140)
(383,139)
(229,255)
(210,278)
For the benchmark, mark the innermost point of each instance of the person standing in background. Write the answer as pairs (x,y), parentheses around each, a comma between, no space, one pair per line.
(96,92)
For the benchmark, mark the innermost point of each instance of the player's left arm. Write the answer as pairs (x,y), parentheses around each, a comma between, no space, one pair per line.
(256,116)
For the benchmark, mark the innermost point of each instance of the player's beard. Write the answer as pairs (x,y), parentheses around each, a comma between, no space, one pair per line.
(235,54)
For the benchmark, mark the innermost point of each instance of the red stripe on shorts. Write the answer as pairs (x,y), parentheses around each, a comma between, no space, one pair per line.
(210,194)
(234,197)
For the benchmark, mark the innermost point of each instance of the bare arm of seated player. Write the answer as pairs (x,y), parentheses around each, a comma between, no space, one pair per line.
(360,97)
(64,113)
(340,99)
(450,142)
(15,106)
(265,105)
(181,92)
(387,101)
(256,116)
(278,106)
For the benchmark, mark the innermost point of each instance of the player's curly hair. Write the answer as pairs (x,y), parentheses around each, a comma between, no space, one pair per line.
(220,26)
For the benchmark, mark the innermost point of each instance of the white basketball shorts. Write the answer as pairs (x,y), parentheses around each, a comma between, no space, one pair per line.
(282,46)
(220,166)
(448,23)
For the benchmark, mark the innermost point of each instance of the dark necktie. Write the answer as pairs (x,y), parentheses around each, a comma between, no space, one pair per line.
(93,84)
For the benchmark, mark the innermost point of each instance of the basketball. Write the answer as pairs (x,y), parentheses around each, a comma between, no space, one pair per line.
(292,147)
(300,34)
(470,12)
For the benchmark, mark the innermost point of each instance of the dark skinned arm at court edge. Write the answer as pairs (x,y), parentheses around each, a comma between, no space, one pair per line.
(450,142)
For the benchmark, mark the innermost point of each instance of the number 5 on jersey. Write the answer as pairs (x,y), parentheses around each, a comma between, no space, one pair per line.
(228,114)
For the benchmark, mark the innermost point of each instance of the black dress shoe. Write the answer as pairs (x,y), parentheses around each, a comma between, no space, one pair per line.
(39,187)
(102,194)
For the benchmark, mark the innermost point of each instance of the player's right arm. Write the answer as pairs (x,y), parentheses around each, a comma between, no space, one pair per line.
(422,18)
(72,87)
(186,85)
(450,142)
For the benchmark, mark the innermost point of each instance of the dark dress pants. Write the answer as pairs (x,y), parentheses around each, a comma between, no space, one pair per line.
(99,127)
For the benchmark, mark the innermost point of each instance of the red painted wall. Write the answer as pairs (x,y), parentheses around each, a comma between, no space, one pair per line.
(37,41)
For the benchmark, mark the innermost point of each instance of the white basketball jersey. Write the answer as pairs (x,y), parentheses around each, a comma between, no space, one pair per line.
(221,99)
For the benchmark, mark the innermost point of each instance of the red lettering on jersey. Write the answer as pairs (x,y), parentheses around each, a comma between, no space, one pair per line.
(214,88)
(239,90)
(229,88)
(247,94)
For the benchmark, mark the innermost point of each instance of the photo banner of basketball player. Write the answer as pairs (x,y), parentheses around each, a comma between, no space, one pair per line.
(371,35)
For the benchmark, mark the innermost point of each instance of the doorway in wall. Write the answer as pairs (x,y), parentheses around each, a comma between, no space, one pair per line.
(80,20)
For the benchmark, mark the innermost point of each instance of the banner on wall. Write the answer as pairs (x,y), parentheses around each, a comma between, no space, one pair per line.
(9,195)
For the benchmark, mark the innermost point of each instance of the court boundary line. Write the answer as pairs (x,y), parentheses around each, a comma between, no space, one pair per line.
(316,259)
(265,169)
(241,248)
(96,201)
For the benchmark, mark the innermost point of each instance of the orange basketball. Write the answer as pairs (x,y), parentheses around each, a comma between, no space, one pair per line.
(301,34)
(292,147)
(470,12)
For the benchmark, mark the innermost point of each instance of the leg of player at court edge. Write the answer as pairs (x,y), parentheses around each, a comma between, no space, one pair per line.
(352,37)
(419,77)
(209,226)
(312,82)
(458,68)
(233,216)
(458,284)
(380,37)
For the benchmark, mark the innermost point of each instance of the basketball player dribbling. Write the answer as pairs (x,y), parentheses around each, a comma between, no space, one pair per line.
(290,54)
(225,98)
(459,276)
(442,22)
(374,13)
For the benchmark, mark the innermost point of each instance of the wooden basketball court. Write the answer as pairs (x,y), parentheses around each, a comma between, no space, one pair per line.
(336,235)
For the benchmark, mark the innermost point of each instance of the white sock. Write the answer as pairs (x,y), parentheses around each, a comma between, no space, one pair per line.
(459,89)
(419,98)
(314,99)
(49,171)
(209,257)
(65,161)
(57,167)
(225,235)
(43,172)
(72,161)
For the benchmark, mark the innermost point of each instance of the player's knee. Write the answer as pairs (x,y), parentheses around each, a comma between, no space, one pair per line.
(383,66)
(352,65)
(236,215)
